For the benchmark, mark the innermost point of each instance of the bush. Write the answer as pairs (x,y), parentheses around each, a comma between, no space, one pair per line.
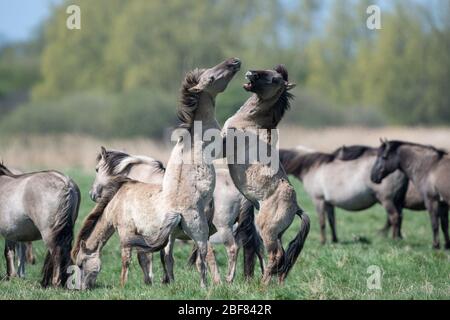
(137,113)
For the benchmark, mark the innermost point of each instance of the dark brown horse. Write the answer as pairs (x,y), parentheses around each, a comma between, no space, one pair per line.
(429,170)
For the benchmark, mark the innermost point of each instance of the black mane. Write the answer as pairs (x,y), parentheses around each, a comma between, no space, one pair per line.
(284,102)
(189,100)
(112,159)
(296,164)
(345,153)
(4,171)
(395,144)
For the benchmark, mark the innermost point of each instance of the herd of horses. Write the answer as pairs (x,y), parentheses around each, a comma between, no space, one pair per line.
(151,205)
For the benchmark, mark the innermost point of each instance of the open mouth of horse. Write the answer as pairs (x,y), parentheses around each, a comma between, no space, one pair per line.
(250,77)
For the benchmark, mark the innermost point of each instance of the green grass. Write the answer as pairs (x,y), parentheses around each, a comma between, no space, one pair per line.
(411,269)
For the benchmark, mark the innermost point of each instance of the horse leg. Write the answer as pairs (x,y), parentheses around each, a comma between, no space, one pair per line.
(443,213)
(394,217)
(433,210)
(21,255)
(196,227)
(167,261)
(332,221)
(232,252)
(126,259)
(275,255)
(29,253)
(10,248)
(146,262)
(385,230)
(320,208)
(212,263)
(272,246)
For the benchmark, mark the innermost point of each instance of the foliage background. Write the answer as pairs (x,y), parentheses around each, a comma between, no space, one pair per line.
(119,75)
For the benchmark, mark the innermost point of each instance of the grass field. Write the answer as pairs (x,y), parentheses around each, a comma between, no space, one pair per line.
(411,269)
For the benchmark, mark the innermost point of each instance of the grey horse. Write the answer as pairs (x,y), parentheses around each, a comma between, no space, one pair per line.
(41,205)
(342,179)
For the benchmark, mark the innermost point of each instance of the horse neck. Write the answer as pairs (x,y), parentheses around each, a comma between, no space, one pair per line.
(206,112)
(416,165)
(257,112)
(101,233)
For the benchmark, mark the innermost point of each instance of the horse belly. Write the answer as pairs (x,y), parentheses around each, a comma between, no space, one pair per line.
(249,181)
(351,198)
(21,230)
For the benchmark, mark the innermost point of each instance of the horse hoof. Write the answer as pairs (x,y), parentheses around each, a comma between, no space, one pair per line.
(447,246)
(436,246)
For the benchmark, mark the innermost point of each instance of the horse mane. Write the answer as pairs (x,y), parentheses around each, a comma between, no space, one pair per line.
(117,162)
(4,171)
(296,163)
(395,144)
(345,153)
(189,100)
(284,102)
(94,216)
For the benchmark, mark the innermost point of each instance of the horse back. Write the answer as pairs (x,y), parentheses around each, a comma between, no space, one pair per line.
(33,200)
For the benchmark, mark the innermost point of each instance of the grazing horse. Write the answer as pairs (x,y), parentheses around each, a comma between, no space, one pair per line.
(429,170)
(266,184)
(130,208)
(228,205)
(41,205)
(342,179)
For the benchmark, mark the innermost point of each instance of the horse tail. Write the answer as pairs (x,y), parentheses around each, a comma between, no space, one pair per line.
(248,237)
(89,223)
(295,246)
(193,257)
(58,258)
(159,240)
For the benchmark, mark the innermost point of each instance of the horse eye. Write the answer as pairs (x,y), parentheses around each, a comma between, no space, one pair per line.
(275,80)
(96,170)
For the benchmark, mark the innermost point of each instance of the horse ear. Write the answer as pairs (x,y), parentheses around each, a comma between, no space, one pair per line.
(281,69)
(290,86)
(103,152)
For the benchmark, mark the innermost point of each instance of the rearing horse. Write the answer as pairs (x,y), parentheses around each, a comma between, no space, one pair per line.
(189,180)
(266,187)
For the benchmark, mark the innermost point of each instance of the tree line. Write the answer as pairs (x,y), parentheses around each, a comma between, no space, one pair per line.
(126,63)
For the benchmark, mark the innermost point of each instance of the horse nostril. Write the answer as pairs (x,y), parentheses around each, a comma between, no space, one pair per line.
(236,61)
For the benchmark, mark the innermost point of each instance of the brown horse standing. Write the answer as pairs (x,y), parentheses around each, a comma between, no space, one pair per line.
(429,169)
(266,184)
